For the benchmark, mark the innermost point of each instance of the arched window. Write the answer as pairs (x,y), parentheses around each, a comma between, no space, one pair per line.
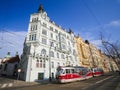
(51,53)
(37,63)
(41,62)
(43,52)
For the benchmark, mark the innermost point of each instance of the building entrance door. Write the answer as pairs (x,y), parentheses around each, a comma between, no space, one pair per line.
(40,76)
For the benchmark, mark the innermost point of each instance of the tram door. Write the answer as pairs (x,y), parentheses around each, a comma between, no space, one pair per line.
(68,74)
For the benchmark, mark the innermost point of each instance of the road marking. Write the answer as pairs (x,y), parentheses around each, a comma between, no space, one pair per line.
(96,82)
(4,85)
(103,80)
(10,84)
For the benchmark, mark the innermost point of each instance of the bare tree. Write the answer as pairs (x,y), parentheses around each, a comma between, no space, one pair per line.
(111,49)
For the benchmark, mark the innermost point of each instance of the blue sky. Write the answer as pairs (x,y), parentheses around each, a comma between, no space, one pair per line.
(86,17)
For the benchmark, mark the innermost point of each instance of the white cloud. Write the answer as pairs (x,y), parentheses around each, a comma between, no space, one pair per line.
(11,41)
(114,23)
(97,43)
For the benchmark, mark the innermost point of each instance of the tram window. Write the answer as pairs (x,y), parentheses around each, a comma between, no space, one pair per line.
(72,71)
(63,72)
(67,70)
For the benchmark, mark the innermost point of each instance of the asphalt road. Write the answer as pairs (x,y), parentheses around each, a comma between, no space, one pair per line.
(111,82)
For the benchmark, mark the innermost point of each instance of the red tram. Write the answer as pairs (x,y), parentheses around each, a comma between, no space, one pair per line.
(97,71)
(70,74)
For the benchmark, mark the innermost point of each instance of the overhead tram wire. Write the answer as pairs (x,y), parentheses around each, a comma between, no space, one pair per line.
(95,17)
(3,40)
(12,33)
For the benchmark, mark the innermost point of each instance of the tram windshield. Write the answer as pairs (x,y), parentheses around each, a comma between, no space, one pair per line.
(60,71)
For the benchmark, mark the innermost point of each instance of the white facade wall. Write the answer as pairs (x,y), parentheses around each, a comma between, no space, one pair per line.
(62,43)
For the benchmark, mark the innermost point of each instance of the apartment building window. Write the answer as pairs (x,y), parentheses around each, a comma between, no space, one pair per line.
(37,64)
(52,54)
(44,41)
(56,30)
(33,27)
(44,32)
(51,35)
(62,56)
(51,28)
(32,37)
(40,64)
(29,37)
(35,19)
(44,25)
(56,37)
(52,64)
(51,44)
(57,55)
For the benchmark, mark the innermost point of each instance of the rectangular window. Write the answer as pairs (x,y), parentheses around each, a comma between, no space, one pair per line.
(29,37)
(33,37)
(44,32)
(37,65)
(40,63)
(44,25)
(31,28)
(51,44)
(56,37)
(35,19)
(56,30)
(67,70)
(44,41)
(52,64)
(51,35)
(51,28)
(57,55)
(35,27)
(43,64)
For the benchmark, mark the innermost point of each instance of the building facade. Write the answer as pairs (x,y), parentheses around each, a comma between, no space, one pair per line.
(83,52)
(46,47)
(89,56)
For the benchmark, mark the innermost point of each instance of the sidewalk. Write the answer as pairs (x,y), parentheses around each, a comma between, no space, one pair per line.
(20,83)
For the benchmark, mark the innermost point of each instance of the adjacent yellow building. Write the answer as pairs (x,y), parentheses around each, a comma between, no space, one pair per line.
(91,57)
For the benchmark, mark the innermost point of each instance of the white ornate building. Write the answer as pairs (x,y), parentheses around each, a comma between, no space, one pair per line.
(46,47)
